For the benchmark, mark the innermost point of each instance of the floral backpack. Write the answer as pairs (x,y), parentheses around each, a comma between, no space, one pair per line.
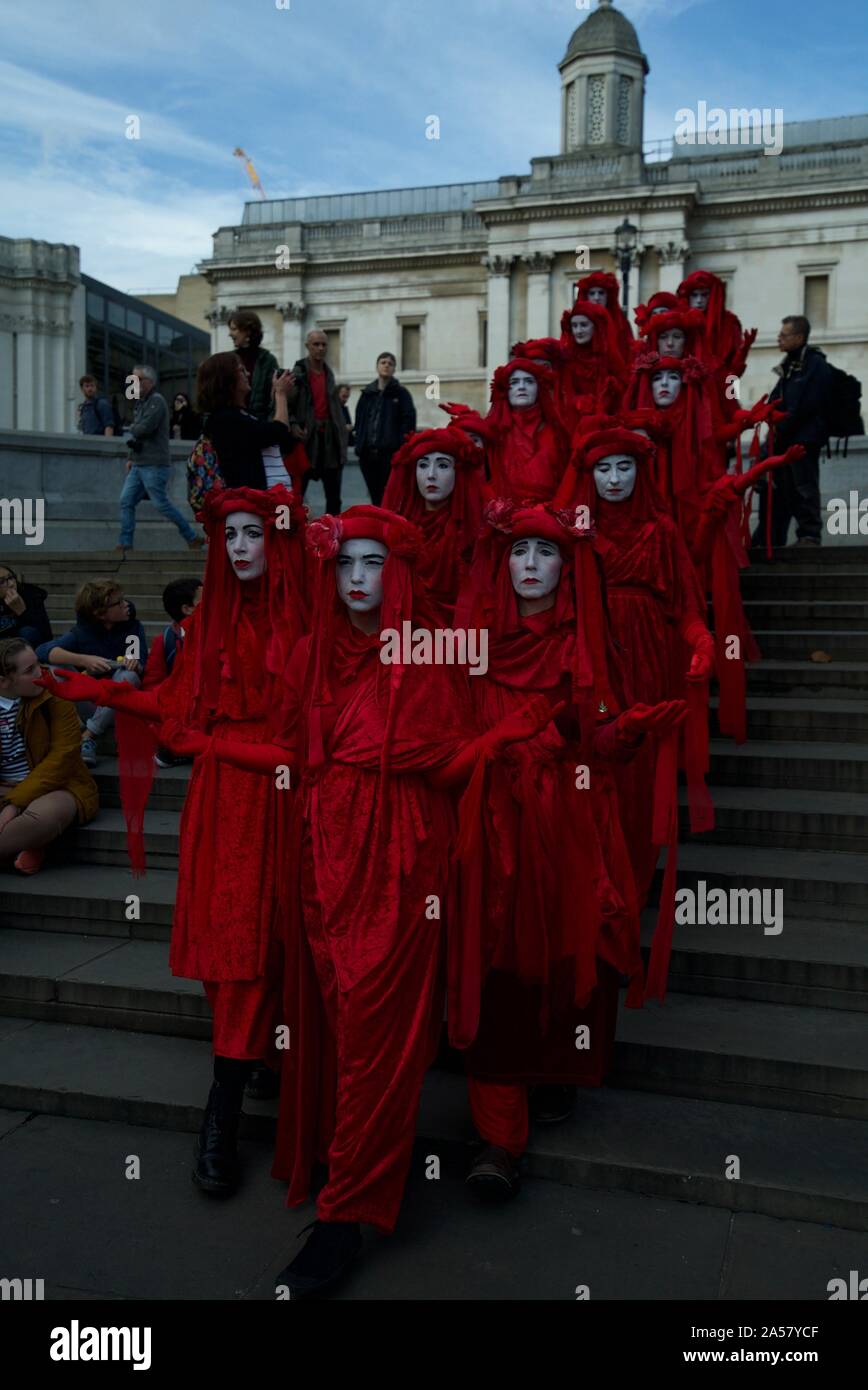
(203,472)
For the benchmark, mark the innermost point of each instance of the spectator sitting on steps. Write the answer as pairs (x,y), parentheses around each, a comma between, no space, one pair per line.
(180,598)
(22,609)
(44,785)
(106,640)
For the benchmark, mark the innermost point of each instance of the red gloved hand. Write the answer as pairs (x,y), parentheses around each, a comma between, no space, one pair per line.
(651,719)
(722,495)
(702,662)
(523,723)
(186,743)
(793,454)
(73,686)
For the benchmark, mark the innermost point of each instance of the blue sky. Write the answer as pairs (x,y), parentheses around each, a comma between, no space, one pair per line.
(333,95)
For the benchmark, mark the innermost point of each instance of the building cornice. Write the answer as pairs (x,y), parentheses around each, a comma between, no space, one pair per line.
(399,260)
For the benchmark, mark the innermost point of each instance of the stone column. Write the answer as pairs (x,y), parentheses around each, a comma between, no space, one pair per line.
(499,271)
(672,258)
(218,317)
(539,278)
(293,335)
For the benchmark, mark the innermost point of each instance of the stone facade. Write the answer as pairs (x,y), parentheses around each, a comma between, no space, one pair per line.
(448,277)
(41,334)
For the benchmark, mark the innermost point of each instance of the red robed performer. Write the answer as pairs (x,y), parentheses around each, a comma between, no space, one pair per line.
(601,287)
(591,377)
(656,611)
(659,303)
(726,345)
(228,682)
(531,446)
(438,482)
(380,744)
(561,912)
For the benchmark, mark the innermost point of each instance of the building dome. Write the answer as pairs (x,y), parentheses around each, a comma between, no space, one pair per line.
(605,30)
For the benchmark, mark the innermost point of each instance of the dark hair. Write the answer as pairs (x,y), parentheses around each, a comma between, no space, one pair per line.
(178,592)
(184,397)
(217,381)
(94,597)
(248,321)
(10,570)
(381,355)
(10,648)
(87,377)
(801,325)
(344,386)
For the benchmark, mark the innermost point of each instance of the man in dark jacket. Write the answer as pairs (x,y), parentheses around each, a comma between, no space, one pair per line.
(385,415)
(802,390)
(95,415)
(319,419)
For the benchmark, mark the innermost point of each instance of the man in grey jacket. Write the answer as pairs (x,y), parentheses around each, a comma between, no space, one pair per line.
(149,463)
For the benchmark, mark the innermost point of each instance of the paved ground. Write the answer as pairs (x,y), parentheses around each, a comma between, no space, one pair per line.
(353,491)
(72,1218)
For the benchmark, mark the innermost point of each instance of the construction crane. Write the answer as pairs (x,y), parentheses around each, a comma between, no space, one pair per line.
(251,172)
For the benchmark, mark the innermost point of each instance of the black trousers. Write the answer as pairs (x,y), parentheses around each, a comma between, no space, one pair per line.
(796,489)
(331,481)
(376,465)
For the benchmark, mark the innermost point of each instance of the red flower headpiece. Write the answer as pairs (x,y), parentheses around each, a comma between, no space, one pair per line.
(536,367)
(661,300)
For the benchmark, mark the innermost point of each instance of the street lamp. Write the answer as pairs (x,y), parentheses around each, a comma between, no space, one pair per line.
(625,245)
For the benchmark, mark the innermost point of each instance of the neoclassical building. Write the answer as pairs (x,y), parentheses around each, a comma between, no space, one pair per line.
(449,276)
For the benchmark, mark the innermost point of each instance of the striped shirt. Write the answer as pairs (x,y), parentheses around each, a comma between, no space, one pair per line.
(14,766)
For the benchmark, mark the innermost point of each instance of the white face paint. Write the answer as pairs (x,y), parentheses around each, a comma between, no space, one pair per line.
(672,343)
(534,567)
(360,574)
(665,387)
(698,299)
(523,390)
(660,309)
(435,477)
(597,295)
(477,439)
(245,544)
(583,328)
(615,477)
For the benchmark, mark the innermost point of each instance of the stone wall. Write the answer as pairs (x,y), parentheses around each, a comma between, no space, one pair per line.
(79,480)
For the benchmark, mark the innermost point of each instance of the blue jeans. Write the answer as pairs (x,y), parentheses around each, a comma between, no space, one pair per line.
(153,479)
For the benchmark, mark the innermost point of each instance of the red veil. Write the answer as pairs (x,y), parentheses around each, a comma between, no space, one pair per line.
(621,330)
(531,446)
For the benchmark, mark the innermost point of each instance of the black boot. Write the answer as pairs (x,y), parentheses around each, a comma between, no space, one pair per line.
(216,1170)
(263,1083)
(328,1253)
(495,1175)
(549,1105)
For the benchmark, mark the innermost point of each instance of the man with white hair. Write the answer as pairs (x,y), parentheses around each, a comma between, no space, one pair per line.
(149,462)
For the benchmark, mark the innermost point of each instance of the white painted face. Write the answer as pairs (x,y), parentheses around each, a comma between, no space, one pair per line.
(534,567)
(583,328)
(615,477)
(665,387)
(523,390)
(435,477)
(360,574)
(659,309)
(597,295)
(672,343)
(477,439)
(698,299)
(245,544)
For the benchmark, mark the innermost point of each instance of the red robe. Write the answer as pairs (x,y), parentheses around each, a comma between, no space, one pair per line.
(365,951)
(528,459)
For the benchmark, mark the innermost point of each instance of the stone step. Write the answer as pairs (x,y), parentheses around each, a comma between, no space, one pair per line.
(168,790)
(844,679)
(786,559)
(90,898)
(805,615)
(800,645)
(805,1167)
(780,1056)
(98,981)
(814,883)
(824,584)
(104,840)
(840,766)
(803,717)
(814,963)
(785,818)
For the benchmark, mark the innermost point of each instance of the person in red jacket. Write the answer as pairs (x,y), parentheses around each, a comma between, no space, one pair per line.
(228,682)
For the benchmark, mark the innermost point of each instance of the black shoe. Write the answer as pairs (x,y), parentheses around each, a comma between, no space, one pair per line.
(494,1176)
(328,1253)
(549,1105)
(264,1084)
(217,1170)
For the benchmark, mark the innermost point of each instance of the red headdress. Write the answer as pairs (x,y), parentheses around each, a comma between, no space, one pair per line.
(656,304)
(612,437)
(463,509)
(723,331)
(692,436)
(490,599)
(500,414)
(335,642)
(470,421)
(622,333)
(690,321)
(604,342)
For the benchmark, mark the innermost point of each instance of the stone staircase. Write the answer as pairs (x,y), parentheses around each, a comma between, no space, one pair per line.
(760,1052)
